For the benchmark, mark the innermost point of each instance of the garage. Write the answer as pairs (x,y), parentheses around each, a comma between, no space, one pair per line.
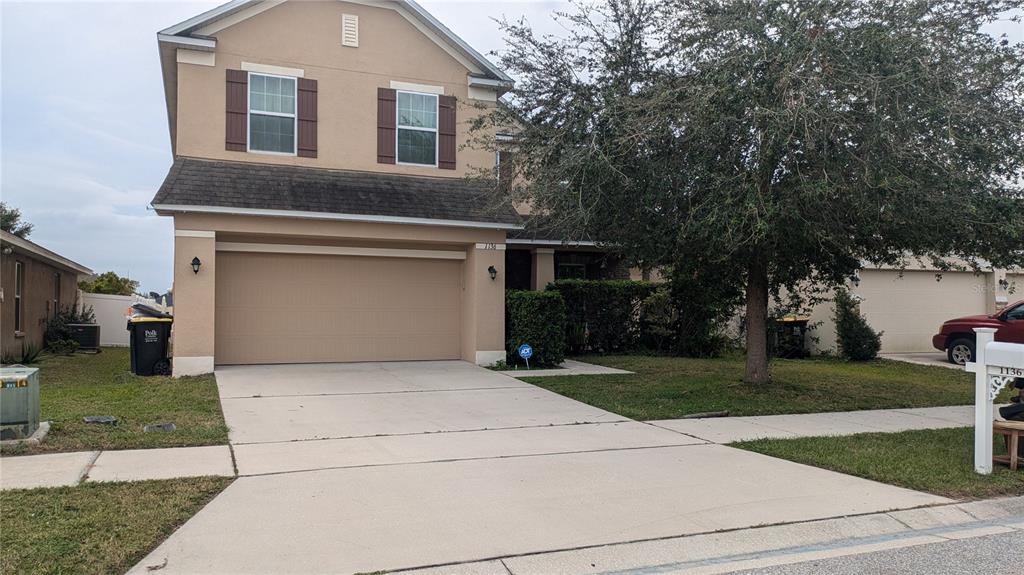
(1015,287)
(307,308)
(910,307)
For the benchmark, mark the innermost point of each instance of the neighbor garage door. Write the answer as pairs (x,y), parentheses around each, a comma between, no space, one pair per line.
(298,308)
(1016,292)
(910,309)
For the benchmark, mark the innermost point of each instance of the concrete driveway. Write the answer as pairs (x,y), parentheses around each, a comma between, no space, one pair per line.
(365,467)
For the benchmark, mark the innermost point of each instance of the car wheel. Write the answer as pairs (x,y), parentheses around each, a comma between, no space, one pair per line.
(960,351)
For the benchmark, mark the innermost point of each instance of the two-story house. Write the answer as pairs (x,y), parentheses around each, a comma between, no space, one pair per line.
(321,210)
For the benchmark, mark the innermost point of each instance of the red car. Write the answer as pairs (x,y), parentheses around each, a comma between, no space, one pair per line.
(956,336)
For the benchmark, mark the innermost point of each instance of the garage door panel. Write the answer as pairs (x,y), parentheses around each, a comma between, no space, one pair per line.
(1015,292)
(296,308)
(909,308)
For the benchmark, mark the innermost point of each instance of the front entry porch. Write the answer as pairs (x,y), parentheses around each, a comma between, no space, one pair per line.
(532,265)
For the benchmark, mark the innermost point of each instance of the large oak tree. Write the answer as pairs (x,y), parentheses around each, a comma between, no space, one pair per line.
(780,142)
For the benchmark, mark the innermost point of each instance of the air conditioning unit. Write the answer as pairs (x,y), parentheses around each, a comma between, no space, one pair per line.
(19,402)
(86,334)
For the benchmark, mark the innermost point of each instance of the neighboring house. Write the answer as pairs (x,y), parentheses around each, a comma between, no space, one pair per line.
(318,189)
(909,306)
(34,284)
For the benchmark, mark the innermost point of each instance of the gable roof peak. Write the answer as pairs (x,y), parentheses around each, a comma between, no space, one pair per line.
(185,32)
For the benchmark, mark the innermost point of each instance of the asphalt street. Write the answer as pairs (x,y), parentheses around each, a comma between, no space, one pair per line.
(1001,554)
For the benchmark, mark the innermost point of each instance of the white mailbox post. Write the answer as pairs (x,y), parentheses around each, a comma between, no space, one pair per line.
(997,365)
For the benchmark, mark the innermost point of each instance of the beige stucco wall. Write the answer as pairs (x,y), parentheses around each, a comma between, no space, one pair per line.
(307,36)
(482,299)
(908,308)
(483,318)
(193,328)
(542,268)
(1017,285)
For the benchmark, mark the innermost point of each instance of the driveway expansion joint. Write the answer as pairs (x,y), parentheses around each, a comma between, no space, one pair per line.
(461,459)
(393,392)
(438,432)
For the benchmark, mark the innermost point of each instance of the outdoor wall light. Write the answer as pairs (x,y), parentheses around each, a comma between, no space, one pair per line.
(493,272)
(1004,283)
(7,250)
(195,265)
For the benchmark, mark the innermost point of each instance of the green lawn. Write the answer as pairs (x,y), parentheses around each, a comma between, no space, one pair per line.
(671,387)
(95,527)
(72,387)
(939,461)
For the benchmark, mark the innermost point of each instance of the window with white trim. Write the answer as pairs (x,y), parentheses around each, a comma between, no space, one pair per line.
(19,286)
(272,117)
(417,128)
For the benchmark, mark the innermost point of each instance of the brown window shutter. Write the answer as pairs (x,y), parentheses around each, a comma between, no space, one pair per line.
(307,118)
(446,132)
(237,111)
(387,122)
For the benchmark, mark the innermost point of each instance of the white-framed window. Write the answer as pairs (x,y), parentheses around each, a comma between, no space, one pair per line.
(19,286)
(273,123)
(417,129)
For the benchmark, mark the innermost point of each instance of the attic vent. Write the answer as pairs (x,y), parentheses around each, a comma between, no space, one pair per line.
(350,30)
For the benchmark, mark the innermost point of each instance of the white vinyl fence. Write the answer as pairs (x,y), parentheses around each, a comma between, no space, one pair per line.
(112,315)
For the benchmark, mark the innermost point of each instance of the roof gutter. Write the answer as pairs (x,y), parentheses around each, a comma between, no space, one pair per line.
(567,243)
(173,208)
(491,83)
(201,44)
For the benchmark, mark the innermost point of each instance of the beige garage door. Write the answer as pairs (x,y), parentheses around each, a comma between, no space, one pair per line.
(292,308)
(910,309)
(1016,292)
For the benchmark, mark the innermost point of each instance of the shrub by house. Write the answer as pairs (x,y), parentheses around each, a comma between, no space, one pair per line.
(536,318)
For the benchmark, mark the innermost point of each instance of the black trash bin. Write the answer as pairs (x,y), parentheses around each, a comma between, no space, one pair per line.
(791,337)
(150,335)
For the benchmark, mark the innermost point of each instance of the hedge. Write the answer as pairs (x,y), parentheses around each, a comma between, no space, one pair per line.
(603,315)
(536,318)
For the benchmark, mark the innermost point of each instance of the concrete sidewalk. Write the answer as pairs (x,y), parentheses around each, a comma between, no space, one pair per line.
(64,469)
(731,429)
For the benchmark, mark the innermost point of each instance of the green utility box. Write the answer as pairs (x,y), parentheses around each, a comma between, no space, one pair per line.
(19,402)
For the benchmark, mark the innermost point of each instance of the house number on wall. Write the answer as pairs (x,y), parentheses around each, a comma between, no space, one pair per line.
(491,247)
(1016,371)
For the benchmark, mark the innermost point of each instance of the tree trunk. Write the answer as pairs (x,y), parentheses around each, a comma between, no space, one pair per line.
(757,323)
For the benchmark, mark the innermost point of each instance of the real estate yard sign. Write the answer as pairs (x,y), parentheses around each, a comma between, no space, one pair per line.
(997,365)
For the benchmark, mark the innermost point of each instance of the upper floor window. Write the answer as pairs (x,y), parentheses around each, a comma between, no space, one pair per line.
(272,118)
(417,128)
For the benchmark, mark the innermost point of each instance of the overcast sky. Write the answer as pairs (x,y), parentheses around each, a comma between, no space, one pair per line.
(84,142)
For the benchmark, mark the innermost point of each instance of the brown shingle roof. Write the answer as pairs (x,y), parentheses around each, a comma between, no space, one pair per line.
(246,185)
